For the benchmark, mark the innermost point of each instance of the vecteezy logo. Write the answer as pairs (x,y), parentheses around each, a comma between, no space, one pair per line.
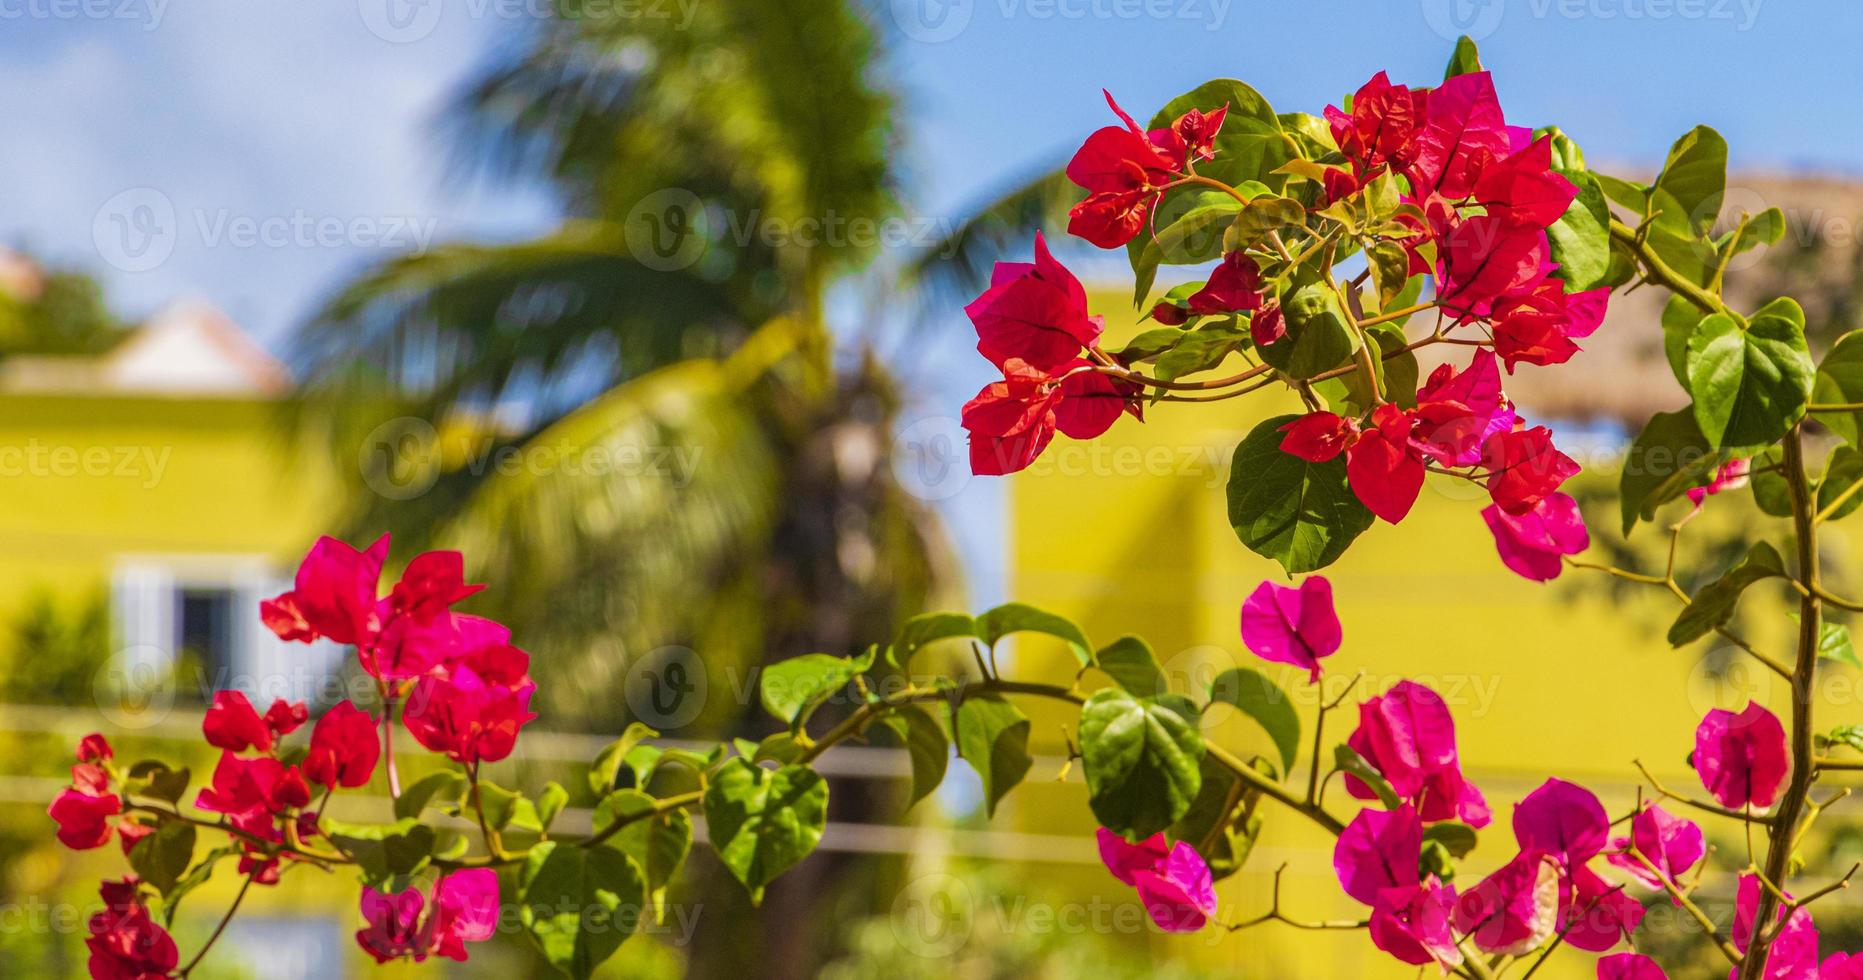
(930,460)
(1451,19)
(400,459)
(931,21)
(932,916)
(135,230)
(668,230)
(400,21)
(136,688)
(666,688)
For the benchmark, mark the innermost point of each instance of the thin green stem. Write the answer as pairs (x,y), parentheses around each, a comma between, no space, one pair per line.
(217,930)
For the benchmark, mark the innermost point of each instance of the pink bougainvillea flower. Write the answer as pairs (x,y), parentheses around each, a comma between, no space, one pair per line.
(93,748)
(1318,436)
(1540,325)
(1408,735)
(233,725)
(1382,127)
(1173,882)
(1035,312)
(1379,850)
(1794,951)
(1385,475)
(1292,625)
(1523,189)
(334,595)
(1563,820)
(1672,844)
(1463,129)
(1841,966)
(1742,758)
(1459,411)
(1012,421)
(464,909)
(1413,924)
(1596,914)
(1629,966)
(433,583)
(83,817)
(1484,260)
(343,748)
(472,710)
(412,646)
(1525,468)
(1533,544)
(285,717)
(1233,287)
(124,942)
(1731,476)
(253,792)
(1514,909)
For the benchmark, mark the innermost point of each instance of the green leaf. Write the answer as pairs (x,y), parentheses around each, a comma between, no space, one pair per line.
(580,903)
(505,808)
(1130,662)
(1842,472)
(383,852)
(1390,269)
(993,736)
(1668,459)
(1396,373)
(1764,229)
(1581,238)
(1184,225)
(1626,193)
(780,748)
(1015,617)
(923,631)
(762,821)
(1679,320)
(550,802)
(1840,382)
(1262,216)
(1465,61)
(1251,145)
(155,779)
(1750,385)
(1458,838)
(607,765)
(657,844)
(1771,493)
(1695,179)
(1221,823)
(1713,606)
(1318,337)
(434,789)
(1150,344)
(789,687)
(926,745)
(162,858)
(1203,348)
(1141,757)
(171,901)
(1346,760)
(1850,736)
(1298,513)
(1252,693)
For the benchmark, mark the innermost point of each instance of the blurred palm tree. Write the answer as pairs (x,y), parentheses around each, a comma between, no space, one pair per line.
(674,329)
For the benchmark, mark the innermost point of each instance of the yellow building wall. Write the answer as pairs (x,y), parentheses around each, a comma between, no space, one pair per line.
(1129,534)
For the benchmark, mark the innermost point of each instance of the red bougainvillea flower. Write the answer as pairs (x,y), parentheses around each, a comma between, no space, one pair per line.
(1525,467)
(1670,843)
(1382,127)
(1379,851)
(433,583)
(124,943)
(1540,325)
(1731,476)
(1523,189)
(1233,287)
(1563,820)
(1318,436)
(1172,880)
(343,748)
(84,817)
(1035,312)
(1191,139)
(1012,421)
(233,725)
(1485,260)
(1459,411)
(93,748)
(1841,966)
(1122,170)
(334,595)
(1629,966)
(1463,129)
(1514,909)
(284,717)
(1292,625)
(1742,758)
(1794,952)
(1533,544)
(472,710)
(411,646)
(464,909)
(1413,924)
(1385,473)
(1408,735)
(253,792)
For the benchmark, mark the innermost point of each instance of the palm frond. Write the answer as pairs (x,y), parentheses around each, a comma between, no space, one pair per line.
(959,264)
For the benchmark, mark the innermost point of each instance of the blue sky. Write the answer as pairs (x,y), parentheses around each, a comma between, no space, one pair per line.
(295,142)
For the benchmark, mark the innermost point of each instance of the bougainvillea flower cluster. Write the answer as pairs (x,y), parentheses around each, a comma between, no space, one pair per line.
(1294,626)
(1172,879)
